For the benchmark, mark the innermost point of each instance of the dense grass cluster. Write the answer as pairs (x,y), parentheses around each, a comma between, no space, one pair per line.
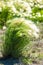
(17,36)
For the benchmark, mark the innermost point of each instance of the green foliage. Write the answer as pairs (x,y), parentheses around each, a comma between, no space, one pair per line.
(17,37)
(5,15)
(37,14)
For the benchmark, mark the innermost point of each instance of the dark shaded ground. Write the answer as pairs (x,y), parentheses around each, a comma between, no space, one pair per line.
(9,61)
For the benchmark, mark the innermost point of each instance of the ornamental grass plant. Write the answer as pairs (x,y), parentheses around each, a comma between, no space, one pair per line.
(18,36)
